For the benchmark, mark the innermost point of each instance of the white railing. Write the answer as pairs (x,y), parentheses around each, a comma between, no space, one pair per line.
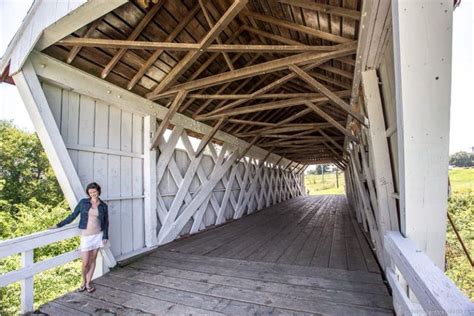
(25,245)
(418,286)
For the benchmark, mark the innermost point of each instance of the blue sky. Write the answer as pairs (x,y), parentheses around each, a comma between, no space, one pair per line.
(12,13)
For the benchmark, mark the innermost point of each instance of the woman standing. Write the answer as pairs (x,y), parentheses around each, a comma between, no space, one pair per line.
(94,225)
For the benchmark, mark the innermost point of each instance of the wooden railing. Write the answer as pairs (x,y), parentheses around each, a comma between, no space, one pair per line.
(418,286)
(25,245)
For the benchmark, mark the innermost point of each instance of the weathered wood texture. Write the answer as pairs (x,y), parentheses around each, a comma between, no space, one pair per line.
(306,231)
(302,256)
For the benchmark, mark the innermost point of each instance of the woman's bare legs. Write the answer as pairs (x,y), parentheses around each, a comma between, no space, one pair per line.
(91,264)
(85,266)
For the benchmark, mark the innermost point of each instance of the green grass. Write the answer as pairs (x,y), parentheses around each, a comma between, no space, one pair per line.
(462,181)
(317,185)
(461,209)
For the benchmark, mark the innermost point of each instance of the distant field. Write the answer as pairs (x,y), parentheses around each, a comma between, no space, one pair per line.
(317,184)
(462,180)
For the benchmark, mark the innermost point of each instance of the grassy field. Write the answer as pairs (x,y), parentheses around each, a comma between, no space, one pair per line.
(317,184)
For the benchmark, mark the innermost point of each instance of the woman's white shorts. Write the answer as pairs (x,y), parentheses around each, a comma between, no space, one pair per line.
(91,242)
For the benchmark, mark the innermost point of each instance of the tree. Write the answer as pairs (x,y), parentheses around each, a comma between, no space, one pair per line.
(25,172)
(462,159)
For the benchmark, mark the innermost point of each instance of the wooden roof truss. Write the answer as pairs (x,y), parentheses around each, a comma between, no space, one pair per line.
(276,73)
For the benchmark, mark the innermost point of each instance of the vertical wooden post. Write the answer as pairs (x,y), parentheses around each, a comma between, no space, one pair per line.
(150,183)
(422,41)
(379,152)
(27,292)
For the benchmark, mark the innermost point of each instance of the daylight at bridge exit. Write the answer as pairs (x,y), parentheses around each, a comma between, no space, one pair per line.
(237,157)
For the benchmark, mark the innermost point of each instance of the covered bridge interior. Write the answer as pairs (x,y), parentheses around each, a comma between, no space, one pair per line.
(192,115)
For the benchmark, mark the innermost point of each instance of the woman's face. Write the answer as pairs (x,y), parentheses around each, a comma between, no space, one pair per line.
(93,193)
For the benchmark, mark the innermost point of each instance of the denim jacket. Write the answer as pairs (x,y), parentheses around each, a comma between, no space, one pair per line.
(83,208)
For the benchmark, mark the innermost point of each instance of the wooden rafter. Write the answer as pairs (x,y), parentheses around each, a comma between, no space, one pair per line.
(206,64)
(331,140)
(330,80)
(271,36)
(76,49)
(297,27)
(252,96)
(324,8)
(208,137)
(165,122)
(192,56)
(332,97)
(266,67)
(218,40)
(156,54)
(328,118)
(134,35)
(266,106)
(123,45)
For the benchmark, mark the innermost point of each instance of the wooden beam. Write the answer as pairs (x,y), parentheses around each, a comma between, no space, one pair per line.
(208,137)
(123,45)
(251,96)
(289,119)
(324,8)
(259,92)
(134,35)
(251,122)
(297,27)
(296,128)
(332,97)
(218,40)
(156,54)
(271,36)
(328,118)
(76,49)
(225,86)
(251,71)
(331,140)
(330,80)
(266,106)
(192,56)
(203,67)
(337,71)
(165,122)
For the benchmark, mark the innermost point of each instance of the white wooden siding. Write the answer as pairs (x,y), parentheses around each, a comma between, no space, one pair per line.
(245,186)
(106,146)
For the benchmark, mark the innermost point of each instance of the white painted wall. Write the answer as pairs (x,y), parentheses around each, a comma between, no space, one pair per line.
(105,144)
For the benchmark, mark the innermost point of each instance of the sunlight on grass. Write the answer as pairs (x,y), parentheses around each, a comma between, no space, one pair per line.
(327,184)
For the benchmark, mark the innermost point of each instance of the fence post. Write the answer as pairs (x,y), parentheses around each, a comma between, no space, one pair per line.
(27,295)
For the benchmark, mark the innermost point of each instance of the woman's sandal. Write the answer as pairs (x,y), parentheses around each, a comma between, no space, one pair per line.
(90,289)
(82,288)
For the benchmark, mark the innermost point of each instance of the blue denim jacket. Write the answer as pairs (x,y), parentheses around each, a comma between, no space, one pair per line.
(83,208)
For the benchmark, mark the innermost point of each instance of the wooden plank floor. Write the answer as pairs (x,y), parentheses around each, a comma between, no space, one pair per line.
(303,256)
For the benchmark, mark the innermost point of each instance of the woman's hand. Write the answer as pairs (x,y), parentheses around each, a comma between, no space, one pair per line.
(104,242)
(53,227)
